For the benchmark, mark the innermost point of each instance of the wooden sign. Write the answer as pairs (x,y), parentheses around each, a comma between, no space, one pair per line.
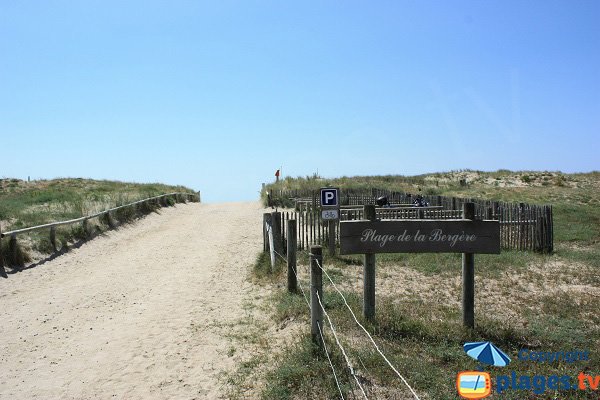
(419,236)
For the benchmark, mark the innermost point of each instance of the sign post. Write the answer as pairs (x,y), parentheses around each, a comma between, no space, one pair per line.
(467,236)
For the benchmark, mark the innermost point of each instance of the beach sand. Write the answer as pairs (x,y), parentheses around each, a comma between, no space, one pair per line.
(140,312)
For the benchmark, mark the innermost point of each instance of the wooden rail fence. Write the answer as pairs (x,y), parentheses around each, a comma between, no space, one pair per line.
(178,197)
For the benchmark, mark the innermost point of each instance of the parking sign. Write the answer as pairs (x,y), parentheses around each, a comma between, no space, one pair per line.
(329,197)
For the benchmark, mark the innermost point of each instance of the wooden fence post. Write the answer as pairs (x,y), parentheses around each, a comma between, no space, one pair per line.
(13,251)
(2,270)
(292,280)
(316,286)
(550,222)
(369,273)
(111,222)
(86,228)
(520,226)
(268,227)
(331,236)
(276,228)
(53,238)
(468,275)
(266,221)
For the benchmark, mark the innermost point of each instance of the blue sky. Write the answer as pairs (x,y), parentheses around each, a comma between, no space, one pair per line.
(218,95)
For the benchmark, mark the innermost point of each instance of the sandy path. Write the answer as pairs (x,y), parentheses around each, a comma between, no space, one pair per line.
(137,313)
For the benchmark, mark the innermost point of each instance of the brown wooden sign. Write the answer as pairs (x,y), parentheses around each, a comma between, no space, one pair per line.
(419,236)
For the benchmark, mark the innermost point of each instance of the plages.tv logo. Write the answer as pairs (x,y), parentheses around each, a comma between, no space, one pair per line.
(473,384)
(478,384)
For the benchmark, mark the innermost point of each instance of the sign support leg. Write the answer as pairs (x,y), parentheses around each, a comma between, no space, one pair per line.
(468,276)
(369,273)
(369,287)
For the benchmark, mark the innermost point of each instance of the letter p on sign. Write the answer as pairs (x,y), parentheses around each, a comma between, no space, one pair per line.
(329,197)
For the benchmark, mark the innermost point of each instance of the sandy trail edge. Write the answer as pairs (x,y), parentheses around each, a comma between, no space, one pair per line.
(138,313)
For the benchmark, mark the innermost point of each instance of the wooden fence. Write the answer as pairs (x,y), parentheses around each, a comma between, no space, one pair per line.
(52,226)
(522,226)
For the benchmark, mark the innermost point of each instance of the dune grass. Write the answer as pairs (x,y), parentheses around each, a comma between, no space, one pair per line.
(25,204)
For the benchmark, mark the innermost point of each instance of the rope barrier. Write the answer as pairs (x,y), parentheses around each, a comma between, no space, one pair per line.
(341,347)
(297,280)
(302,290)
(363,365)
(351,369)
(321,334)
(282,257)
(330,363)
(86,217)
(368,334)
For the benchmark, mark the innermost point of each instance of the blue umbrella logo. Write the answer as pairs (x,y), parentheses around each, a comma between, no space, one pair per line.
(487,353)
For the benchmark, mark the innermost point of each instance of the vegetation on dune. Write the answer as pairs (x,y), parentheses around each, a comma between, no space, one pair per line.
(25,204)
(504,185)
(574,197)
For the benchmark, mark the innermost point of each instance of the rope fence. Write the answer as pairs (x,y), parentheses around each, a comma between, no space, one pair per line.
(84,218)
(316,260)
(341,347)
(330,363)
(368,334)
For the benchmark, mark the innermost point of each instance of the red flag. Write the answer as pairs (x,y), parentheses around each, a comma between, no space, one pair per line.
(277,173)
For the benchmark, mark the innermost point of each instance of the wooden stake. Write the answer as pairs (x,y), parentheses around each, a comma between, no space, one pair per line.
(276,228)
(87,229)
(292,281)
(53,238)
(13,251)
(111,222)
(2,270)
